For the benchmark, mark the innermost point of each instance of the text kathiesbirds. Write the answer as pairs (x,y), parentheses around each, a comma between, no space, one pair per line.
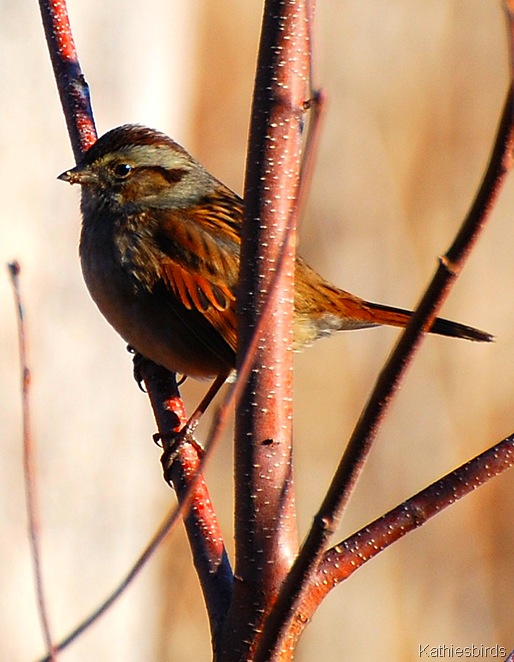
(160,247)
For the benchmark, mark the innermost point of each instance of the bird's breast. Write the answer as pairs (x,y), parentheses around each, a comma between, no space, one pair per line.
(121,274)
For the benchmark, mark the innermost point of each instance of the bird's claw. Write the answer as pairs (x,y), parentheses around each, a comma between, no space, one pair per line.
(137,360)
(171,442)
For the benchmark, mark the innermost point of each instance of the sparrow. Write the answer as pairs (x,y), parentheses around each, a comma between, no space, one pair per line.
(159,250)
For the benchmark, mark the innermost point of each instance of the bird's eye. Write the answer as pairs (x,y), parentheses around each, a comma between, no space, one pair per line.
(122,170)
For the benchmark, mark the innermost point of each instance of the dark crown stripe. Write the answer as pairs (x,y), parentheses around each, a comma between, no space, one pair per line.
(126,135)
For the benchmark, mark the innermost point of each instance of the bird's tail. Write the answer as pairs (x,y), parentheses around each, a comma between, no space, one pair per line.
(328,308)
(388,315)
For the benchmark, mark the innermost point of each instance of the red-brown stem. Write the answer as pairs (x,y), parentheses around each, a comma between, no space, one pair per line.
(72,86)
(278,627)
(28,465)
(209,555)
(265,521)
(162,532)
(343,559)
(201,524)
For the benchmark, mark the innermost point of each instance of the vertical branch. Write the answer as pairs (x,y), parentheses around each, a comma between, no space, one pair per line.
(265,522)
(28,459)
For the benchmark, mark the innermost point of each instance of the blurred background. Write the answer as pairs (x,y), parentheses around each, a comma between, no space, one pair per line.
(415,91)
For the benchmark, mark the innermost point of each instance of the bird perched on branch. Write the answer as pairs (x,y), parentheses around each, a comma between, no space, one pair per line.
(160,248)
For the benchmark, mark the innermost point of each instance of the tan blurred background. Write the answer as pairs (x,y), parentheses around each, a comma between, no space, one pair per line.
(415,92)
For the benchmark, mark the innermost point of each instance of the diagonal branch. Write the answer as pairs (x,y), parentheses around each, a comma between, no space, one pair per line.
(209,554)
(201,524)
(71,84)
(343,559)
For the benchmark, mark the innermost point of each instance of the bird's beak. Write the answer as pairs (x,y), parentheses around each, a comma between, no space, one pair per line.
(79,175)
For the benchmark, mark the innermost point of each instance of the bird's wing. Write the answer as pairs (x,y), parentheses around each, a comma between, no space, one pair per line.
(200,264)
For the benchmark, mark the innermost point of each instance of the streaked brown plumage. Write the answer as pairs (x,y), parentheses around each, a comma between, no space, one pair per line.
(160,255)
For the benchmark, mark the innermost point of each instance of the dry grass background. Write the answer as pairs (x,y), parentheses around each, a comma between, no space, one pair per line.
(415,91)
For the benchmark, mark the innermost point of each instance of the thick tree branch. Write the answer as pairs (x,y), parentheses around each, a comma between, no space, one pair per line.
(265,516)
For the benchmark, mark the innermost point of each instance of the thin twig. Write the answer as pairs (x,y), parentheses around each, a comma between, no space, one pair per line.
(169,522)
(316,105)
(388,381)
(29,472)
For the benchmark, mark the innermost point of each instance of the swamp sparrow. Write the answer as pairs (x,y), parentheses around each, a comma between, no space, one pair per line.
(160,255)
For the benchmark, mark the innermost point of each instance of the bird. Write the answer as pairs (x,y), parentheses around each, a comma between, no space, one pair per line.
(159,250)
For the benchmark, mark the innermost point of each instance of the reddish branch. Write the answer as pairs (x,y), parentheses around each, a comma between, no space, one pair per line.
(201,524)
(184,472)
(71,84)
(265,518)
(343,559)
(28,464)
